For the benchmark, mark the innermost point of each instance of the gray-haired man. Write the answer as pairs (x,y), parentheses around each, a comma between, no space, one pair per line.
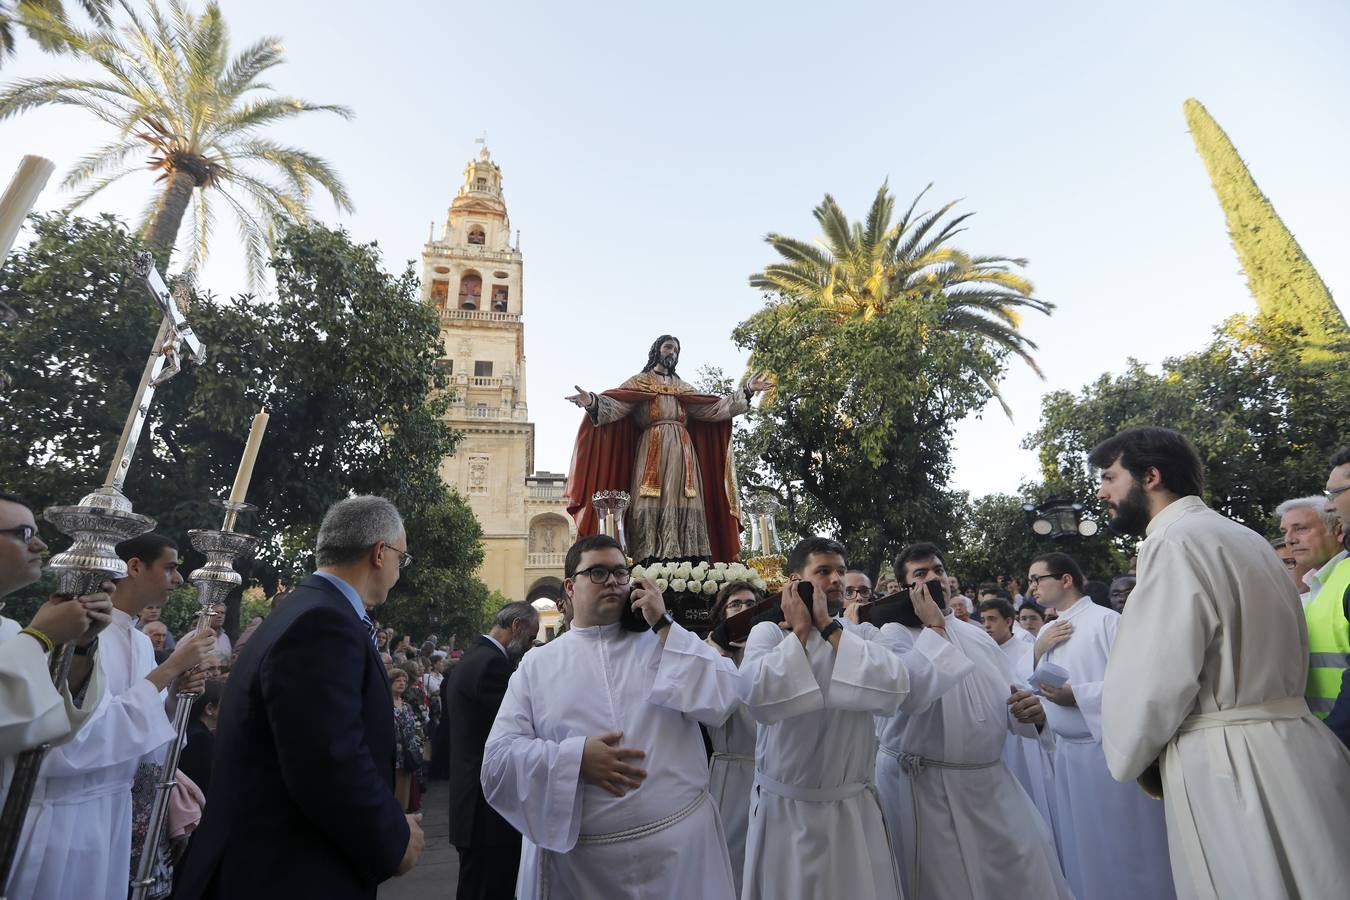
(1312,536)
(489,848)
(302,790)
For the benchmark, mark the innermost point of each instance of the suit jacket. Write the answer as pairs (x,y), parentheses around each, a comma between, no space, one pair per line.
(476,687)
(302,778)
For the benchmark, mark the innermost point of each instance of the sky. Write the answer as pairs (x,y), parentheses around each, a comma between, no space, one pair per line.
(647,150)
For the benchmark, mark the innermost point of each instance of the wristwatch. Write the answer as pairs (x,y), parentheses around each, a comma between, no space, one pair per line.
(666,619)
(831,629)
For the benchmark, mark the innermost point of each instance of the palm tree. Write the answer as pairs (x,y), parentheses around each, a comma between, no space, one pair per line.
(170,87)
(35,15)
(861,268)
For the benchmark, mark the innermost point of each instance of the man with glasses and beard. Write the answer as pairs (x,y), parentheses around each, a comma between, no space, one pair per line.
(596,755)
(489,848)
(1206,680)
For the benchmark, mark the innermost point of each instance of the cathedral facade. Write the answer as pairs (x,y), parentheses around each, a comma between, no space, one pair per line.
(473,276)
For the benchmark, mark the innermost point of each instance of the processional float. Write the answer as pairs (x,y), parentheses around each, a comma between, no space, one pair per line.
(97,524)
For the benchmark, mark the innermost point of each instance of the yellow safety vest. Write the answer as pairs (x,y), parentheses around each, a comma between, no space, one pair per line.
(1328,640)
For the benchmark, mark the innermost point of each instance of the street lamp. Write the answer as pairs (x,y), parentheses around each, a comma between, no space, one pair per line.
(1059,519)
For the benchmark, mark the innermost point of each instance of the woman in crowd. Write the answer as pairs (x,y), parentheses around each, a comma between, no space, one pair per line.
(407,741)
(733,759)
(195,760)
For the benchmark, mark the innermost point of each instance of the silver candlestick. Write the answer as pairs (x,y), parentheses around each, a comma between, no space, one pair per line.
(214,582)
(610,508)
(763,507)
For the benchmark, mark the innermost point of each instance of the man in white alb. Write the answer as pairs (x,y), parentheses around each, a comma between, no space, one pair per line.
(814,686)
(1207,677)
(596,756)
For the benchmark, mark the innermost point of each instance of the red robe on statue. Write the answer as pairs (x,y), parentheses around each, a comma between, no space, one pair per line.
(605,455)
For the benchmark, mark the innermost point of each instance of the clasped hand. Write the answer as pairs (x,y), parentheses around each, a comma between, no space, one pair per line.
(602,764)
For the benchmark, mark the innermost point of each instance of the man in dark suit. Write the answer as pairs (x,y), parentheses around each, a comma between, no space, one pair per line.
(302,783)
(489,848)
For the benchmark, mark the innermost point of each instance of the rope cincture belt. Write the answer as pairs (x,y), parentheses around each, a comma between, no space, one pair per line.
(913,763)
(813,795)
(734,757)
(642,831)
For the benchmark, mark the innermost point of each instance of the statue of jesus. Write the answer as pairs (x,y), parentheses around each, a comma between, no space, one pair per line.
(670,446)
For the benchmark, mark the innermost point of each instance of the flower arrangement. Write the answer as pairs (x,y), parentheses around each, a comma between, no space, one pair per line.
(702,578)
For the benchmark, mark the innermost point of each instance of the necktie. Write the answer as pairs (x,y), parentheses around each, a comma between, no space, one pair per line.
(370,627)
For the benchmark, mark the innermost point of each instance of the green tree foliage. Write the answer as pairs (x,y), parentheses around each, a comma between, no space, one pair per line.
(181,103)
(344,360)
(1263,418)
(37,18)
(1286,286)
(879,342)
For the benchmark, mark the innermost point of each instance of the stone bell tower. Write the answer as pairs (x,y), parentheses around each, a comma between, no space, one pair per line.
(472,275)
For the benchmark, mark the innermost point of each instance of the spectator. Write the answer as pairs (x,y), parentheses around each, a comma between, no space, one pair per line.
(407,741)
(1120,591)
(960,608)
(158,633)
(1312,537)
(1031,617)
(151,614)
(195,761)
(1099,592)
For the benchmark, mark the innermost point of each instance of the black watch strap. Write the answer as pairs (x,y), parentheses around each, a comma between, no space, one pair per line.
(831,629)
(665,620)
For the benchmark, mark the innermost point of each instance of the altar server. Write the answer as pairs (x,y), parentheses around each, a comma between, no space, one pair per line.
(1207,676)
(596,756)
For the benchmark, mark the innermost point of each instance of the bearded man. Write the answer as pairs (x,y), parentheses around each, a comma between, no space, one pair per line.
(671,447)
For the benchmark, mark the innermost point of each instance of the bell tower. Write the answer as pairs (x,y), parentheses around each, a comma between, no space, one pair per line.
(472,277)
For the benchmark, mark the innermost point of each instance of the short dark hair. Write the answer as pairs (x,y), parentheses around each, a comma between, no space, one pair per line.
(15,498)
(1002,607)
(1149,447)
(147,547)
(586,544)
(719,610)
(1034,607)
(212,691)
(1099,591)
(1341,456)
(796,561)
(916,550)
(1061,564)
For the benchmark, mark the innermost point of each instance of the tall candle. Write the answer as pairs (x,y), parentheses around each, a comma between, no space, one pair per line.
(20,196)
(245,473)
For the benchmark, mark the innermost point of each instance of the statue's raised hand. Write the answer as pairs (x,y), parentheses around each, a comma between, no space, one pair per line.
(758,382)
(581,398)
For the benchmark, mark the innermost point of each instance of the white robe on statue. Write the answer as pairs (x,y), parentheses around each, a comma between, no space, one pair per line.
(32,712)
(662,840)
(1031,759)
(731,776)
(962,828)
(816,826)
(1113,840)
(77,838)
(1257,789)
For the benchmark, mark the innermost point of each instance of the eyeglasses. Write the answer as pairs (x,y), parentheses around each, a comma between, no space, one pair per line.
(600,574)
(739,604)
(1034,580)
(404,557)
(1335,492)
(863,592)
(25,533)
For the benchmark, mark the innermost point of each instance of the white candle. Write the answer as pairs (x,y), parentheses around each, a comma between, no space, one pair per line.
(245,473)
(20,196)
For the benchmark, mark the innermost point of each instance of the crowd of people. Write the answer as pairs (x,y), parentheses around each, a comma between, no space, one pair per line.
(1176,730)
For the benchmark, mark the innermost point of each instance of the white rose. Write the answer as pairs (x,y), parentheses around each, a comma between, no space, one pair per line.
(759,583)
(737,572)
(701,568)
(656,570)
(661,585)
(715,575)
(694,586)
(710,587)
(719,566)
(679,585)
(639,572)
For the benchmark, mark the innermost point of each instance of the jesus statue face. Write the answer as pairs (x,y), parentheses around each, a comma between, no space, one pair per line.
(669,354)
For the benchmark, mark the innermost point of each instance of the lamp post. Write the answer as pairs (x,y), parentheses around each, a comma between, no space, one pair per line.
(1059,519)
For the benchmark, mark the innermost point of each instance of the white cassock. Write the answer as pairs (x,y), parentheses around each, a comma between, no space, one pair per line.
(816,826)
(1257,789)
(1113,840)
(32,712)
(662,840)
(962,828)
(1031,759)
(732,774)
(77,838)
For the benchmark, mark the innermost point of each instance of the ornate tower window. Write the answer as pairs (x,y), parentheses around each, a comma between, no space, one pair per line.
(500,293)
(471,291)
(480,184)
(478,474)
(482,368)
(477,235)
(440,292)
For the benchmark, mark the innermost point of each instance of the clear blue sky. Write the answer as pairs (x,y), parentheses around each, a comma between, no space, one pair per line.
(646,151)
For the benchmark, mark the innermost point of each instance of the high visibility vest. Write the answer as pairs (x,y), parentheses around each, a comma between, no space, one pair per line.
(1328,640)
